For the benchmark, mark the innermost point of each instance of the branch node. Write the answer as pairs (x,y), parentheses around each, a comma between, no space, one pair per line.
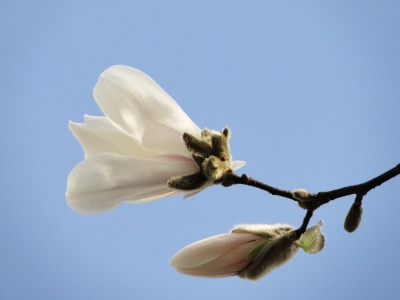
(245,178)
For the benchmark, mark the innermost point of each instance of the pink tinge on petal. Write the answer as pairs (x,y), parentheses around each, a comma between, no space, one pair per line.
(228,264)
(105,180)
(208,249)
(218,256)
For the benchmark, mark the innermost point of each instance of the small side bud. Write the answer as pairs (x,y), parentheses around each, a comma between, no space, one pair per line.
(353,218)
(302,195)
(304,198)
(245,177)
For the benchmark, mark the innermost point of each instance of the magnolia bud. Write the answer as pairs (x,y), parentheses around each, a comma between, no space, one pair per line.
(353,218)
(249,251)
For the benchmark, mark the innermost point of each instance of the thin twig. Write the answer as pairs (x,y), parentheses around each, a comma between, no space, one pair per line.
(360,189)
(303,226)
(321,198)
(246,180)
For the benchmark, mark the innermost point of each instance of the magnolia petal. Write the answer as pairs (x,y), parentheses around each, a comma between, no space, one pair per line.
(312,240)
(237,164)
(107,139)
(195,272)
(209,249)
(137,105)
(228,264)
(102,201)
(133,147)
(96,122)
(105,180)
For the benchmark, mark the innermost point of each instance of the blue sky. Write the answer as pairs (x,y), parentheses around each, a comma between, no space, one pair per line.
(309,89)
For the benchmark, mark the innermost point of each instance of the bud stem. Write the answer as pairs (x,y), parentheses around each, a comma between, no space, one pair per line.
(303,226)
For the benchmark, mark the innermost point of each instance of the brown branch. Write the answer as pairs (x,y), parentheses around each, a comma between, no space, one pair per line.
(360,189)
(316,200)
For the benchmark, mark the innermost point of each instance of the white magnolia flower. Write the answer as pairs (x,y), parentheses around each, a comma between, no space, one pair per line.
(249,251)
(132,151)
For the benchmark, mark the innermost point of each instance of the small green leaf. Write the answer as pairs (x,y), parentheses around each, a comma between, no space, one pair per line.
(312,240)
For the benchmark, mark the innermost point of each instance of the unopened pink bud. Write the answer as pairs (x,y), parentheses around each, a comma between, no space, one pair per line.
(217,256)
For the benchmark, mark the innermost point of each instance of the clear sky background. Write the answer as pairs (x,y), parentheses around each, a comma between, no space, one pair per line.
(310,90)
